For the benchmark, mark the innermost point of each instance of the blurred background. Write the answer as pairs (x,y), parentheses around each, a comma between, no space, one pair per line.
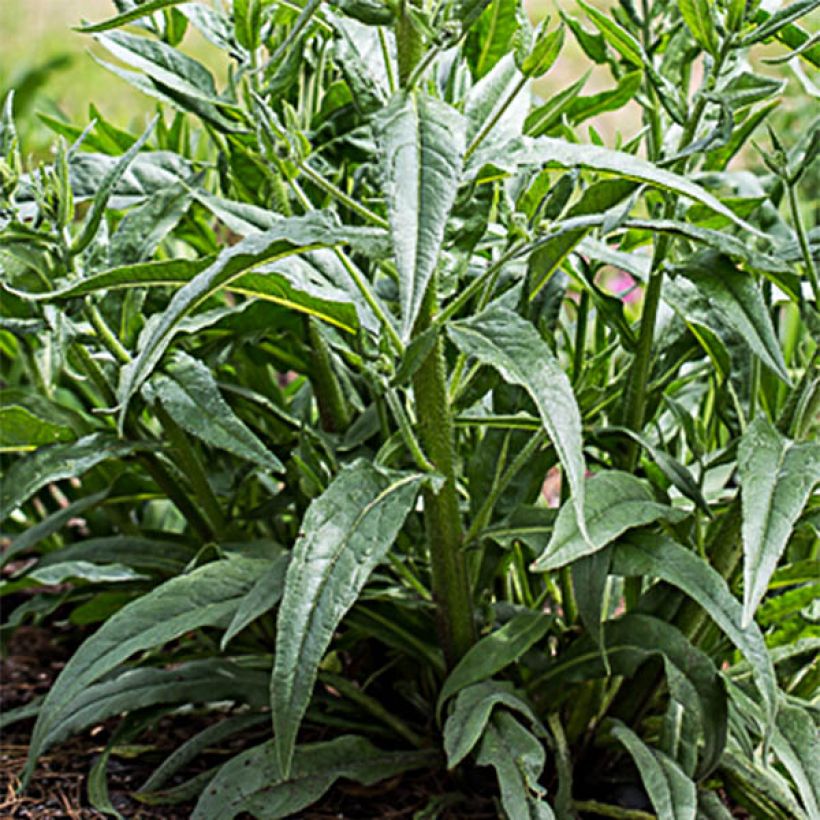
(52,68)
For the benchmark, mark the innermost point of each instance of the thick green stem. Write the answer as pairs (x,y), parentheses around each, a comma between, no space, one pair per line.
(808,259)
(333,408)
(454,609)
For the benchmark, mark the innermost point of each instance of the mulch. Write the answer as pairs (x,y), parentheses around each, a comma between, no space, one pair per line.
(58,788)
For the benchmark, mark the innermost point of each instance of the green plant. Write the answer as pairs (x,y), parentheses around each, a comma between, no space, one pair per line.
(302,354)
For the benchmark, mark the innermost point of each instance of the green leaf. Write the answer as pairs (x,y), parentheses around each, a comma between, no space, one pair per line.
(141,230)
(540,150)
(697,14)
(796,744)
(518,758)
(615,502)
(782,18)
(630,641)
(192,399)
(491,35)
(617,36)
(69,572)
(290,236)
(583,108)
(247,19)
(262,597)
(544,54)
(777,477)
(22,430)
(254,782)
(733,298)
(657,555)
(422,144)
(208,596)
(346,532)
(502,339)
(495,651)
(140,11)
(471,714)
(105,189)
(55,462)
(200,681)
(164,64)
(672,793)
(35,533)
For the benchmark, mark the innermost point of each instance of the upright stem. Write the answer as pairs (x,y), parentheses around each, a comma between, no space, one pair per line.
(451,591)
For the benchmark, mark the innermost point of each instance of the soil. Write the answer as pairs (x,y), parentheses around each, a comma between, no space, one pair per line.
(58,788)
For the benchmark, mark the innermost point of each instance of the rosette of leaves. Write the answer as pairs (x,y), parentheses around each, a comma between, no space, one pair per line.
(284,376)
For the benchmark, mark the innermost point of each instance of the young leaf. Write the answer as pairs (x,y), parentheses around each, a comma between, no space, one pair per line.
(346,532)
(518,758)
(192,399)
(208,596)
(630,641)
(422,144)
(662,557)
(615,502)
(253,781)
(472,711)
(262,597)
(777,477)
(672,793)
(55,462)
(502,339)
(697,14)
(497,650)
(734,299)
(140,11)
(618,37)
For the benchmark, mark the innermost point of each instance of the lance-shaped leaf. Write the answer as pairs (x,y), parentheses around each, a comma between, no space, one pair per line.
(495,651)
(777,477)
(192,399)
(201,681)
(632,640)
(540,150)
(660,556)
(697,14)
(290,236)
(796,744)
(473,708)
(502,339)
(346,532)
(518,758)
(69,572)
(672,793)
(53,463)
(422,143)
(615,502)
(208,596)
(22,430)
(732,298)
(254,782)
(142,10)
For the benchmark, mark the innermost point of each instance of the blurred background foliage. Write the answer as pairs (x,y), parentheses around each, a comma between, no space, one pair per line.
(53,71)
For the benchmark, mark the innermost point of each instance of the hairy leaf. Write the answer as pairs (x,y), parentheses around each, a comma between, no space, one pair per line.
(346,532)
(502,339)
(777,477)
(422,143)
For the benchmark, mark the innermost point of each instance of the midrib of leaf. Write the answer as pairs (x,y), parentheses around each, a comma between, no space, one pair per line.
(488,40)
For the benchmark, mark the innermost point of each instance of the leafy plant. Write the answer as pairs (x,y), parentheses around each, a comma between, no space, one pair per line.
(303,353)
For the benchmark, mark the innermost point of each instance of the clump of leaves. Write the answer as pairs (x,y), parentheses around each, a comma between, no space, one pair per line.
(300,357)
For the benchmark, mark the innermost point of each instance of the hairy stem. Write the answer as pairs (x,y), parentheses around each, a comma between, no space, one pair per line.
(454,609)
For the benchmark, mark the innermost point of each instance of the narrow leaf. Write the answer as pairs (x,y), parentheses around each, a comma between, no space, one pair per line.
(615,502)
(660,556)
(698,18)
(502,339)
(422,143)
(192,399)
(254,782)
(672,793)
(140,11)
(346,532)
(777,477)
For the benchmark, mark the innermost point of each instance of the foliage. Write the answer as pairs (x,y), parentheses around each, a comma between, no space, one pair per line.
(284,376)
